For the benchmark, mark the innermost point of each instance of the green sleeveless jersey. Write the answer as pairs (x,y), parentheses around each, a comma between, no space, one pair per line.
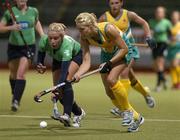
(27,21)
(160,29)
(66,50)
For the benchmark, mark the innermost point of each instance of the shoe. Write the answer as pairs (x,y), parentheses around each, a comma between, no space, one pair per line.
(157,89)
(116,112)
(127,118)
(150,101)
(65,119)
(55,114)
(77,119)
(134,127)
(15,106)
(165,83)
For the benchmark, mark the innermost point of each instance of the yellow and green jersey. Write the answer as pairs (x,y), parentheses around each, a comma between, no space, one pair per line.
(108,47)
(66,50)
(27,20)
(103,40)
(121,22)
(175,31)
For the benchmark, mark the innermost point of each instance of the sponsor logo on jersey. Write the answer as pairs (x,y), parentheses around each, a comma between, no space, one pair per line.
(24,24)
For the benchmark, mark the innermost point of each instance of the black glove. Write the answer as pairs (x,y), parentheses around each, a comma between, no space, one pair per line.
(151,43)
(107,67)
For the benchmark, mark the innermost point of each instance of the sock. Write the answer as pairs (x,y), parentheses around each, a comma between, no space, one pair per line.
(115,103)
(54,100)
(174,76)
(19,89)
(178,73)
(126,83)
(12,84)
(76,110)
(68,98)
(161,77)
(136,84)
(121,96)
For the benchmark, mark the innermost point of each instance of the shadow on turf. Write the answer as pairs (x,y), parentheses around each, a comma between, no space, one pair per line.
(58,130)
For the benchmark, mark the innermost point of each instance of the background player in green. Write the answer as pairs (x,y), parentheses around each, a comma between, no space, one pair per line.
(160,27)
(67,57)
(18,60)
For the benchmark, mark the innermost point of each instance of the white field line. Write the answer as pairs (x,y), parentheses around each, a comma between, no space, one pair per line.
(115,119)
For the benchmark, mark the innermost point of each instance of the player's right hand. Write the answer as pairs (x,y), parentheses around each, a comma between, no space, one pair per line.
(40,68)
(151,43)
(15,27)
(77,77)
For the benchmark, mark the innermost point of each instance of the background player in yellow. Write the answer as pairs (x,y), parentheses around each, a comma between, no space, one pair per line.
(113,61)
(121,18)
(174,50)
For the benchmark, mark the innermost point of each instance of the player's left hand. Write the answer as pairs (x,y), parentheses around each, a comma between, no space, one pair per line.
(106,67)
(40,68)
(151,42)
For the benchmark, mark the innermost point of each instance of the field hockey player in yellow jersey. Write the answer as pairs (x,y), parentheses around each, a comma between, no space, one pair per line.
(115,47)
(121,18)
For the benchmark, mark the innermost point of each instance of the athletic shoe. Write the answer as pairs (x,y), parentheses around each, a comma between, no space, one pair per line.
(134,127)
(77,119)
(116,112)
(127,118)
(165,83)
(150,101)
(65,119)
(55,114)
(15,106)
(157,88)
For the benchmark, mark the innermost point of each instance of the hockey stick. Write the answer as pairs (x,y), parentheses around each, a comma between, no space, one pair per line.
(7,5)
(44,92)
(139,45)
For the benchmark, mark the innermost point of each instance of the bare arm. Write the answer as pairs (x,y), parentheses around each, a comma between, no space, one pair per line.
(39,28)
(102,18)
(114,35)
(84,67)
(4,28)
(134,17)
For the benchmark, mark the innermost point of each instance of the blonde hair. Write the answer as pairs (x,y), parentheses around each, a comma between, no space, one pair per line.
(56,27)
(86,19)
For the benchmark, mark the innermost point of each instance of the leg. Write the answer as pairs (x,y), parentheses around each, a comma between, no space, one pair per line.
(175,73)
(159,64)
(20,80)
(136,84)
(109,93)
(13,66)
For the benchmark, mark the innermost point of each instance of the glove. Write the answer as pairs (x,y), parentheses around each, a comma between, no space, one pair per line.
(106,68)
(151,43)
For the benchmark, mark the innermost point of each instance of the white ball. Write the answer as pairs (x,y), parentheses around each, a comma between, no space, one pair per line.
(43,124)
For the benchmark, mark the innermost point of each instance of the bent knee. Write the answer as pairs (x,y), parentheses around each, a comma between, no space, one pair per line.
(111,81)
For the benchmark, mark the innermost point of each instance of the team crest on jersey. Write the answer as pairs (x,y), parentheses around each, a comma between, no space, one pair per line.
(67,53)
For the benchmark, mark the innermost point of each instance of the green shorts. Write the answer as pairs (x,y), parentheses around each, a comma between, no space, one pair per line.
(174,52)
(133,53)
